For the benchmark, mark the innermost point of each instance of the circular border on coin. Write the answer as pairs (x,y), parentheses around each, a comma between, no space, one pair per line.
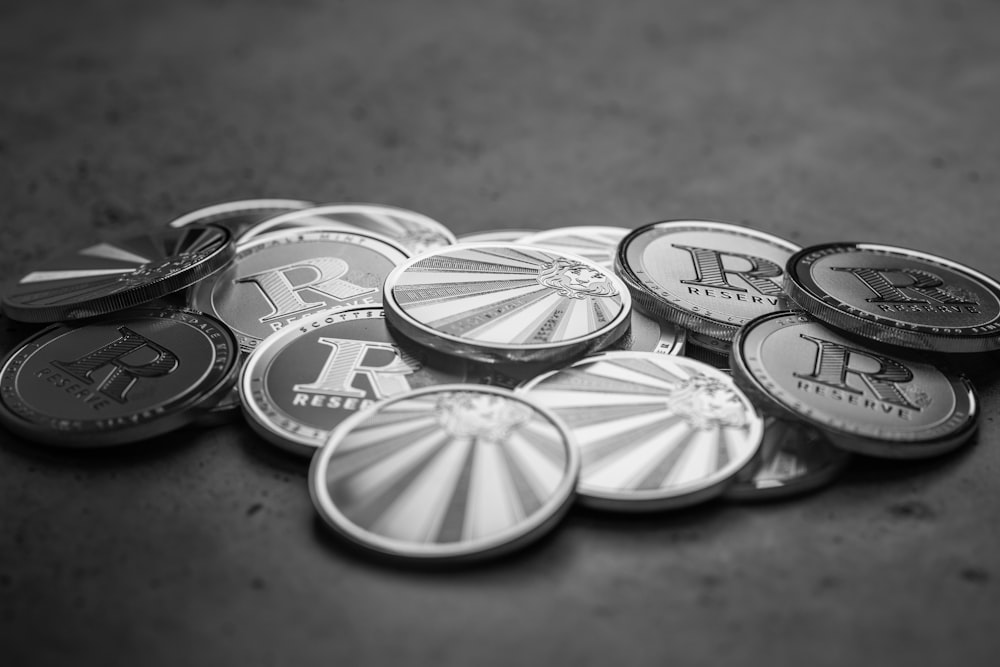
(496,236)
(925,291)
(75,379)
(526,277)
(879,385)
(468,431)
(245,213)
(663,302)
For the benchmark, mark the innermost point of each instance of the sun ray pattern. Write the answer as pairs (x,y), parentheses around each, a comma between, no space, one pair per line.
(598,244)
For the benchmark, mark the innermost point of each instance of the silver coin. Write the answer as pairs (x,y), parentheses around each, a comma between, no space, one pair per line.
(504,303)
(450,472)
(596,243)
(646,334)
(654,431)
(496,236)
(238,216)
(414,231)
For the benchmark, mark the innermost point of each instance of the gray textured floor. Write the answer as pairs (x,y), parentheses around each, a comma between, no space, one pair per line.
(817,120)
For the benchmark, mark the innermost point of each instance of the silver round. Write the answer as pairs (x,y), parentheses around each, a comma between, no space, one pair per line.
(596,243)
(454,472)
(238,216)
(496,236)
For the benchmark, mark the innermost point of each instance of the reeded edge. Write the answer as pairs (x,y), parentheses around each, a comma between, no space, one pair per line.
(805,293)
(207,213)
(658,305)
(892,449)
(187,410)
(499,352)
(692,493)
(131,297)
(515,537)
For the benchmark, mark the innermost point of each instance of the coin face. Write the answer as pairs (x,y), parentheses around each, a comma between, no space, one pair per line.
(450,472)
(277,280)
(496,236)
(115,275)
(654,431)
(709,277)
(304,381)
(502,303)
(862,399)
(238,216)
(414,231)
(793,459)
(134,376)
(897,296)
(596,243)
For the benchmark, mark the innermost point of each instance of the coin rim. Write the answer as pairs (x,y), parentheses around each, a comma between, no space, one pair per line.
(206,214)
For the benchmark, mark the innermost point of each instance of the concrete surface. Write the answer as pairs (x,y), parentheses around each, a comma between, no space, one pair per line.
(815,120)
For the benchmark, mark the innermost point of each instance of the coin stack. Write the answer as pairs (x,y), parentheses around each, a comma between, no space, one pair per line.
(456,395)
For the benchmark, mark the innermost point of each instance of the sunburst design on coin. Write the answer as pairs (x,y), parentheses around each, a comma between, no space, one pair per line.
(654,431)
(507,303)
(457,471)
(596,243)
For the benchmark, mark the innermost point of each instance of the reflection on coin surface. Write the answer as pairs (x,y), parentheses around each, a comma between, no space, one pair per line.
(300,383)
(115,275)
(414,231)
(502,303)
(120,379)
(654,431)
(793,459)
(282,278)
(598,244)
(238,216)
(897,296)
(709,277)
(496,236)
(450,472)
(862,399)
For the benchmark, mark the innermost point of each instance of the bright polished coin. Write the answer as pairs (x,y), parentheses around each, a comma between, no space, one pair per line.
(709,277)
(654,431)
(897,296)
(496,236)
(119,274)
(238,216)
(281,278)
(305,380)
(450,472)
(863,400)
(503,303)
(596,243)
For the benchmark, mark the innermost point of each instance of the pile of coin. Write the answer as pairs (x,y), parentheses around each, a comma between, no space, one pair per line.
(456,395)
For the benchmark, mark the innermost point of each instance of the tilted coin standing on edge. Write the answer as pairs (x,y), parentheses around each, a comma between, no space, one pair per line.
(709,277)
(454,472)
(655,432)
(503,303)
(863,400)
(596,243)
(496,236)
(281,278)
(238,216)
(118,274)
(300,383)
(136,375)
(414,231)
(897,296)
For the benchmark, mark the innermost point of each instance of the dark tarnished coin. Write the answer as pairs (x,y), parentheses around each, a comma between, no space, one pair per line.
(503,303)
(238,216)
(709,277)
(281,278)
(596,243)
(136,375)
(654,431)
(496,236)
(414,231)
(116,275)
(300,383)
(863,400)
(450,472)
(897,296)
(721,348)
(793,459)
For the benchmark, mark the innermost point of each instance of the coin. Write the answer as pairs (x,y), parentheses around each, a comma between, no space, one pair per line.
(504,303)
(450,472)
(300,383)
(863,400)
(648,335)
(238,216)
(282,278)
(115,275)
(708,277)
(496,236)
(654,431)
(897,296)
(414,231)
(596,243)
(120,379)
(720,348)
(793,459)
